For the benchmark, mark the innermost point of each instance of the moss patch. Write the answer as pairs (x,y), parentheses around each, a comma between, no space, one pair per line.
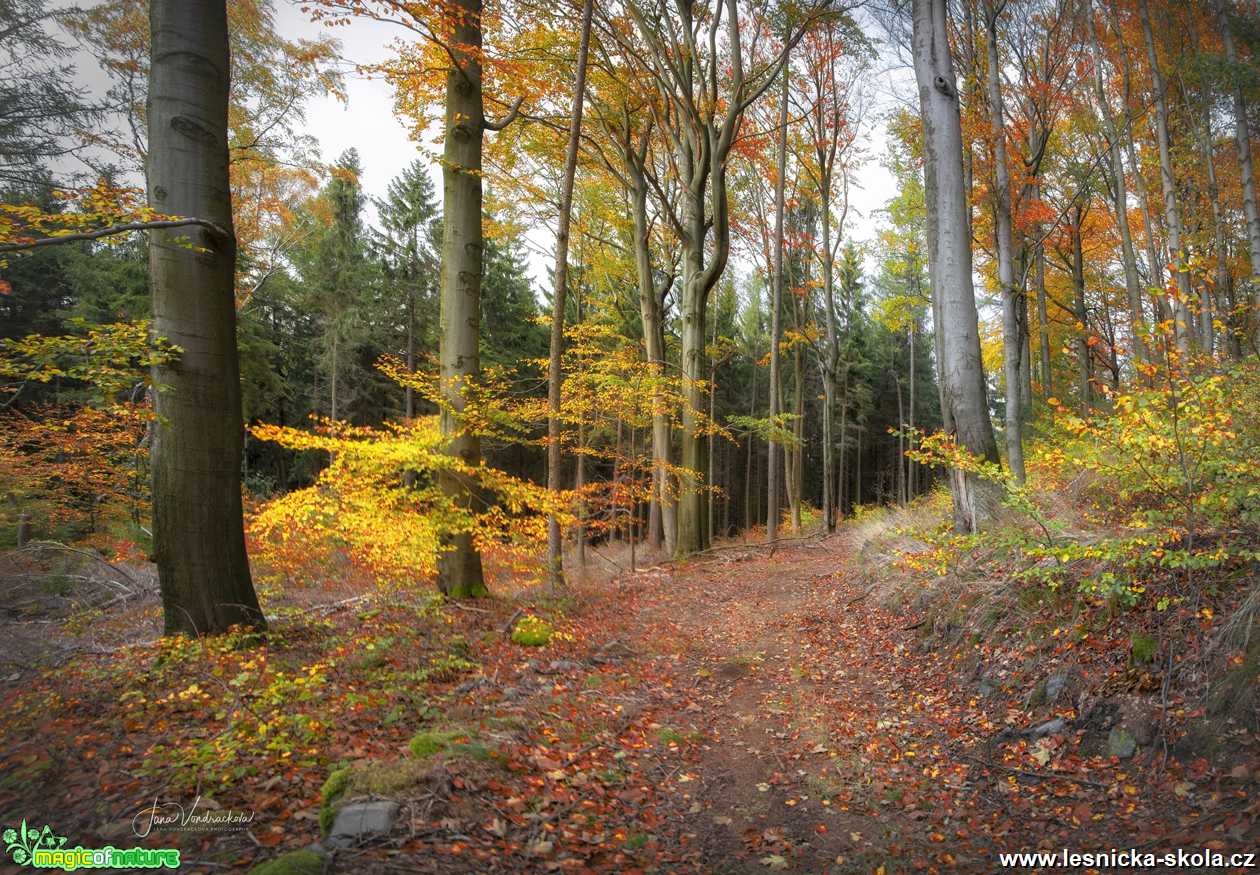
(1142,649)
(386,779)
(532,631)
(431,742)
(295,863)
(334,788)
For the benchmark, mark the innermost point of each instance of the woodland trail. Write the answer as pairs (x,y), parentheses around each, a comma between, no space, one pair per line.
(821,736)
(743,712)
(791,716)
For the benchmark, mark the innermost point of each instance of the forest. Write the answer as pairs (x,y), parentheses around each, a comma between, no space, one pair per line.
(711,436)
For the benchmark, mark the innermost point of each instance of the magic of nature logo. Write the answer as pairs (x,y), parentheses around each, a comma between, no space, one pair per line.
(44,849)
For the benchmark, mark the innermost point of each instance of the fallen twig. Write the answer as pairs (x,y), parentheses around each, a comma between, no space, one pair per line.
(1045,776)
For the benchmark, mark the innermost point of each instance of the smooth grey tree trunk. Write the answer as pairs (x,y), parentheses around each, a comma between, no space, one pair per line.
(1120,200)
(1081,312)
(198,434)
(650,297)
(1172,212)
(1155,267)
(1043,320)
(776,318)
(964,392)
(748,463)
(555,379)
(1246,172)
(1012,339)
(459,564)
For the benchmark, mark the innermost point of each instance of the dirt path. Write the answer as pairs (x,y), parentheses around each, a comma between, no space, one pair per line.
(818,735)
(770,780)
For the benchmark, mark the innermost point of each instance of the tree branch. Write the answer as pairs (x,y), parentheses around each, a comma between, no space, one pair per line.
(217,231)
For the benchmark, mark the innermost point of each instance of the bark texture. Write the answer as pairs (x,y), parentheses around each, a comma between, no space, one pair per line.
(555,379)
(198,532)
(459,565)
(964,401)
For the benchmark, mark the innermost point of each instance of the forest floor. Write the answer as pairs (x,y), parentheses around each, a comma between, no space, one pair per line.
(750,711)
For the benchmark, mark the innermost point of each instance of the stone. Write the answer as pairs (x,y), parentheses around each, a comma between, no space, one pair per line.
(1140,718)
(469,686)
(1121,743)
(1050,727)
(359,821)
(1056,684)
(564,665)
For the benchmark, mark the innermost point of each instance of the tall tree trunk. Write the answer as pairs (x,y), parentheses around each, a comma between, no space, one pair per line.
(198,432)
(555,379)
(1242,140)
(654,339)
(749,520)
(459,563)
(914,469)
(332,378)
(857,464)
(710,479)
(579,481)
(1120,200)
(902,486)
(795,458)
(830,363)
(1172,212)
(693,459)
(1043,320)
(1012,341)
(1207,306)
(409,397)
(950,260)
(842,481)
(1083,354)
(776,324)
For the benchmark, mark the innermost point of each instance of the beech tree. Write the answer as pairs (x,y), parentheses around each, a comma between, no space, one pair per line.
(706,63)
(555,559)
(964,404)
(198,532)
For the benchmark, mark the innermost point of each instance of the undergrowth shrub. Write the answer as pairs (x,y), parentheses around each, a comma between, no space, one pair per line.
(1173,487)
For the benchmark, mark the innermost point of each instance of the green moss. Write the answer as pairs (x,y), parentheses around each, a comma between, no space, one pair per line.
(387,779)
(1038,696)
(474,751)
(668,735)
(532,631)
(334,788)
(431,742)
(458,645)
(1142,648)
(295,863)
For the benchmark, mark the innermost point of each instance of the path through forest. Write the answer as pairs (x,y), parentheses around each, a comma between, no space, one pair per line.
(746,711)
(822,735)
